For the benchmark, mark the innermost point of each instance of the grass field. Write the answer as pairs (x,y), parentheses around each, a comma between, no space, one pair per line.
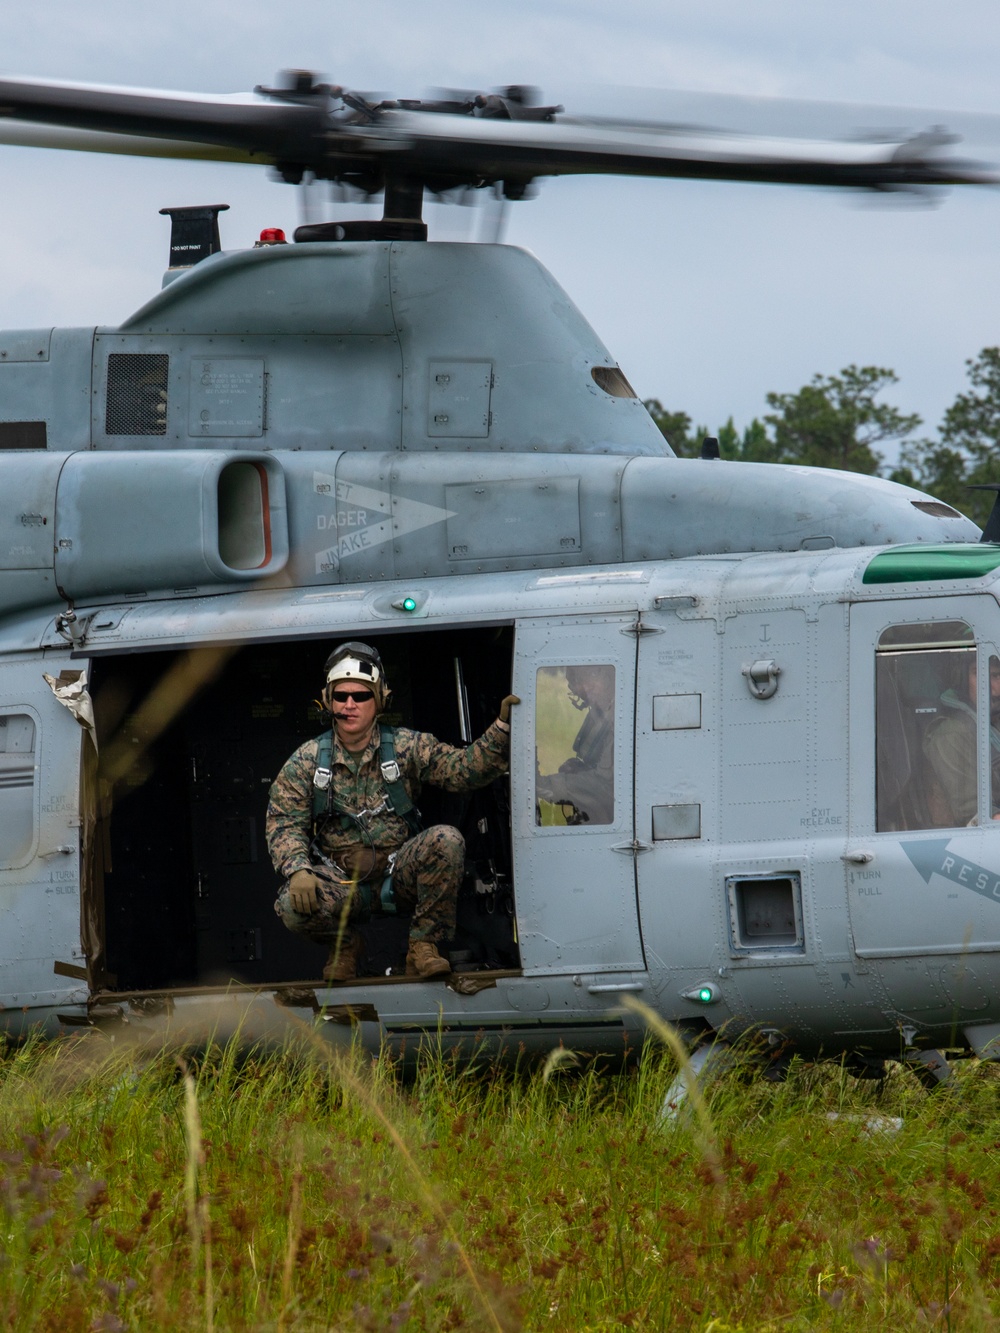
(293,1190)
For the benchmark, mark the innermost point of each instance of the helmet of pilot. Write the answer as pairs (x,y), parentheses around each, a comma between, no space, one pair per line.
(360,664)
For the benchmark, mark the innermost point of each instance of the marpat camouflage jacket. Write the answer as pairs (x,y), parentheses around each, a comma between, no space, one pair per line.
(422,758)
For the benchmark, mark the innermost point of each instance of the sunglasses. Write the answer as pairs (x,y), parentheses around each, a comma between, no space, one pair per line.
(359,696)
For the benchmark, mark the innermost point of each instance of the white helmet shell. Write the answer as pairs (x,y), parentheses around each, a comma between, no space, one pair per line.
(355,668)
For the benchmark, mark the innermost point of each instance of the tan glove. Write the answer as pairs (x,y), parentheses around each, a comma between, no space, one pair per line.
(302,892)
(505,707)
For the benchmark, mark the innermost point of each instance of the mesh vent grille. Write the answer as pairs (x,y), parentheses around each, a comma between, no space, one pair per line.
(137,393)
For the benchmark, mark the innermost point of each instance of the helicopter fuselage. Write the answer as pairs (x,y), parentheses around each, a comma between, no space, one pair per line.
(427,447)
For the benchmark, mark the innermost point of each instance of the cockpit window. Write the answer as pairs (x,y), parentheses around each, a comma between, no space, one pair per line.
(575,745)
(928,731)
(612,380)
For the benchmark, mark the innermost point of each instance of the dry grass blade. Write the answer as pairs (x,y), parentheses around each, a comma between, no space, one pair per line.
(166,701)
(294,1234)
(675,1043)
(199,1219)
(557,1059)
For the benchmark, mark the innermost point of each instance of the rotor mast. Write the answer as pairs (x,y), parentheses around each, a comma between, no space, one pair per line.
(401,220)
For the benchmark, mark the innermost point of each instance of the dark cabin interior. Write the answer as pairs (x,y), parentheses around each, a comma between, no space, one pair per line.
(181,872)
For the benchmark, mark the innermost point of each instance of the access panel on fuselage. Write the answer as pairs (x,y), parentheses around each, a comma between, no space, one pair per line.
(572,766)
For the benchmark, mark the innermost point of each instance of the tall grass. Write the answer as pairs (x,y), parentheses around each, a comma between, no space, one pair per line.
(235,1189)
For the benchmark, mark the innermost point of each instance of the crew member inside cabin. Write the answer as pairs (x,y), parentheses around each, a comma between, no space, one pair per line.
(950,747)
(341,818)
(582,790)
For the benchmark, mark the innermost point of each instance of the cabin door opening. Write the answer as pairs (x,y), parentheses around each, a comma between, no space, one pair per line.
(197,737)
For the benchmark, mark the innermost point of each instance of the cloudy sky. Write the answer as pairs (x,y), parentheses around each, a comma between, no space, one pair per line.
(708,295)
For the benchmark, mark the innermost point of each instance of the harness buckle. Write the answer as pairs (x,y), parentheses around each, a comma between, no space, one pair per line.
(363,818)
(390,771)
(321,778)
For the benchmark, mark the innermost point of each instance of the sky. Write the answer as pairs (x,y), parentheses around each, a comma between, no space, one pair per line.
(709,295)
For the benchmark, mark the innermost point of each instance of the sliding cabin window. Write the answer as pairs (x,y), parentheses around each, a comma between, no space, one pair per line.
(575,745)
(929,731)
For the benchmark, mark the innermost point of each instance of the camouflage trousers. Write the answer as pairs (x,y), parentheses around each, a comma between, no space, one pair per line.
(425,880)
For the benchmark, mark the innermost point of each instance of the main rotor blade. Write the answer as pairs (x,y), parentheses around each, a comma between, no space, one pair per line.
(343,136)
(501,150)
(25,134)
(248,124)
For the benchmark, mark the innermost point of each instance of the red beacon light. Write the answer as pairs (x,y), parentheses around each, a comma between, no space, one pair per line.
(271,236)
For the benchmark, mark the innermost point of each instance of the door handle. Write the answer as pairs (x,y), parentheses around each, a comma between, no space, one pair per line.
(613,987)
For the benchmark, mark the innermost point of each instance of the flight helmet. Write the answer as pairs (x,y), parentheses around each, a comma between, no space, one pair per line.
(357,662)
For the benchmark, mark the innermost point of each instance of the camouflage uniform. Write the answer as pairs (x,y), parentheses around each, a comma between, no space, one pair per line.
(428,867)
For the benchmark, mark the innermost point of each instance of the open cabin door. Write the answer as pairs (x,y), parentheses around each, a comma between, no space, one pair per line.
(572,777)
(40,744)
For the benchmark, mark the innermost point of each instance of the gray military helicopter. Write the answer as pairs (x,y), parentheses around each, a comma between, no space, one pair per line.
(725,797)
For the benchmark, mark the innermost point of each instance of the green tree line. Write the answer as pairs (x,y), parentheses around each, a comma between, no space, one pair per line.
(839,421)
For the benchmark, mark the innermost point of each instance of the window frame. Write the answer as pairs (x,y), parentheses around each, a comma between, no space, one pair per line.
(937,638)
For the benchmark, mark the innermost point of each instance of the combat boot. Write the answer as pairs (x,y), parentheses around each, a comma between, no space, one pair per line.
(423,960)
(345,954)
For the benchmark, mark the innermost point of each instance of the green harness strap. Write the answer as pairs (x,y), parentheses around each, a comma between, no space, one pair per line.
(323,802)
(321,776)
(399,797)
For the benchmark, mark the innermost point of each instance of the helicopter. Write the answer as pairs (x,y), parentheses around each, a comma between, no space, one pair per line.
(365,435)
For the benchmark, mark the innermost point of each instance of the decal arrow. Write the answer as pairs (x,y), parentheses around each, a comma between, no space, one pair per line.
(933,858)
(364,518)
